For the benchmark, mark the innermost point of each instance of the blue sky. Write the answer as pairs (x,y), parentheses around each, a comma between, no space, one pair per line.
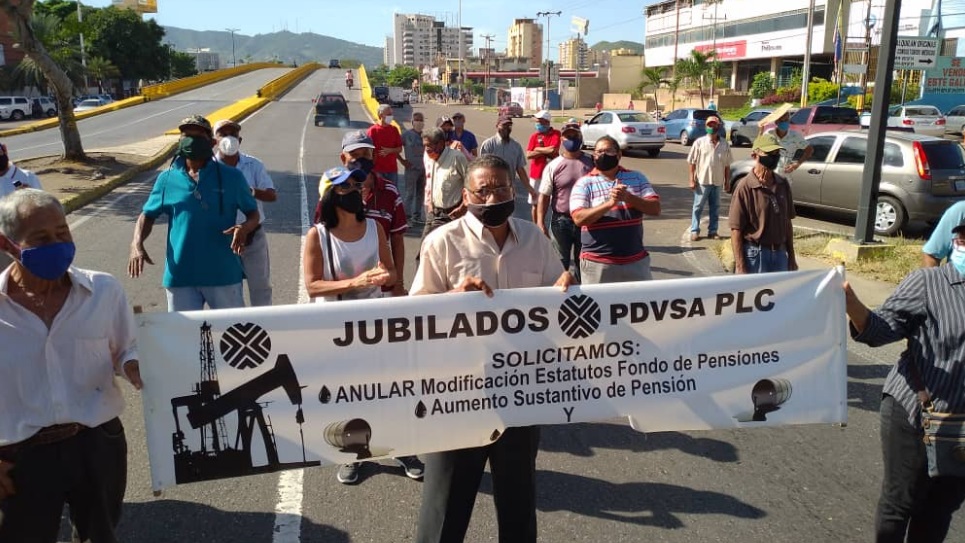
(369,21)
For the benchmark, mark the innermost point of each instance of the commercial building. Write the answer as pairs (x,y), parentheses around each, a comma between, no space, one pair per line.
(525,40)
(421,40)
(573,53)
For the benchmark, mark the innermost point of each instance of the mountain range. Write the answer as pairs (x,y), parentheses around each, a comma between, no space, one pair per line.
(283,46)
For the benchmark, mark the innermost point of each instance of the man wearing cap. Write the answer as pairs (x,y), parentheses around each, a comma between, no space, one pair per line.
(414,182)
(543,146)
(939,244)
(761,210)
(796,149)
(508,149)
(201,198)
(463,136)
(388,145)
(559,177)
(445,178)
(255,259)
(709,159)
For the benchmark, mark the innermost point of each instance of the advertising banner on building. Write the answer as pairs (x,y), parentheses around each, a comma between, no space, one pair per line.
(947,77)
(235,392)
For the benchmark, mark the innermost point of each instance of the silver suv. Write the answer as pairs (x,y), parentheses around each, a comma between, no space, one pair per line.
(14,107)
(920,176)
(745,130)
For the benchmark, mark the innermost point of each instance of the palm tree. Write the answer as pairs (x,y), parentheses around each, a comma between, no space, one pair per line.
(695,68)
(673,84)
(655,77)
(29,74)
(100,69)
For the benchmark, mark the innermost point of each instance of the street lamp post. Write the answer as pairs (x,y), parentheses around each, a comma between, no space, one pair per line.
(234,62)
(549,74)
(713,59)
(83,53)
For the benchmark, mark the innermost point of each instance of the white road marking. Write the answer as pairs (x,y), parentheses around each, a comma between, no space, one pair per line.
(306,220)
(288,512)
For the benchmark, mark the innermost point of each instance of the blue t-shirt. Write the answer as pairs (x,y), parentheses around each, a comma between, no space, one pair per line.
(198,251)
(940,242)
(468,140)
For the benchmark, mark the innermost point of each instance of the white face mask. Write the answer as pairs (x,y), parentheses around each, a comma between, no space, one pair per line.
(388,119)
(229,146)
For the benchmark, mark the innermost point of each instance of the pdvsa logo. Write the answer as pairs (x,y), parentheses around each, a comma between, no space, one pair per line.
(579,316)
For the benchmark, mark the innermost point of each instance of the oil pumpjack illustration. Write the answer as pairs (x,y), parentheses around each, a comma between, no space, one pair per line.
(207,409)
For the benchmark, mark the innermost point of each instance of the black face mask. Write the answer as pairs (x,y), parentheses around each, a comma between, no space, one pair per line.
(4,162)
(361,163)
(769,161)
(606,162)
(351,202)
(493,215)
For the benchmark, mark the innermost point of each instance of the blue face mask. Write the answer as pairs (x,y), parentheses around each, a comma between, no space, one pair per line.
(783,126)
(541,128)
(957,258)
(573,145)
(48,262)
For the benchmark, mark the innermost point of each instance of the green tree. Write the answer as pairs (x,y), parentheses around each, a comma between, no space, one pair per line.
(695,69)
(19,13)
(402,76)
(182,64)
(61,9)
(129,42)
(762,85)
(379,76)
(821,89)
(655,78)
(46,28)
(101,69)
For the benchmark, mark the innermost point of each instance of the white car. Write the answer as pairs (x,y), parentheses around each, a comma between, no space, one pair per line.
(955,120)
(925,120)
(92,103)
(632,130)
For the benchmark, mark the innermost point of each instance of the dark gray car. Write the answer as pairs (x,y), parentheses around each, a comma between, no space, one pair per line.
(920,176)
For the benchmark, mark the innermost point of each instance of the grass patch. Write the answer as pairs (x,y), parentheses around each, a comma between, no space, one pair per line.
(732,114)
(890,265)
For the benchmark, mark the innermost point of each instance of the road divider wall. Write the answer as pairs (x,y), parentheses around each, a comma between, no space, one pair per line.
(168,88)
(370,104)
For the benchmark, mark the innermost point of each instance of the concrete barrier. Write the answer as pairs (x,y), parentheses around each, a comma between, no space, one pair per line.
(55,121)
(280,85)
(168,88)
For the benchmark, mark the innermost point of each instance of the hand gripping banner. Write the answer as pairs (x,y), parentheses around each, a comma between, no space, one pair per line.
(237,392)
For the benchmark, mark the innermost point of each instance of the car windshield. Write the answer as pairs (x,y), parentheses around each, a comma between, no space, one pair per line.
(639,117)
(921,112)
(944,155)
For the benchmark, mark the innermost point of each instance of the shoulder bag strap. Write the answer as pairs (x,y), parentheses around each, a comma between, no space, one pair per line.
(331,257)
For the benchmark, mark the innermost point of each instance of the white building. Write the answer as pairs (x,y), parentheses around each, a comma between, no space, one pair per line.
(420,40)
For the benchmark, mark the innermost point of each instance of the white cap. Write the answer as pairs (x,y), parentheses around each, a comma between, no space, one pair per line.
(229,146)
(543,115)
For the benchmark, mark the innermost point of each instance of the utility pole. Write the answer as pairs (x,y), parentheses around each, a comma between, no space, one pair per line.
(549,74)
(234,62)
(461,77)
(488,38)
(806,70)
(713,58)
(83,53)
(866,57)
(676,39)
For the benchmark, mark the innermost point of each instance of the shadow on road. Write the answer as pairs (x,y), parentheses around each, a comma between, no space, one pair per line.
(582,439)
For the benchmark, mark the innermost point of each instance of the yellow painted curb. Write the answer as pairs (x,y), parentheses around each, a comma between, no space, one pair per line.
(83,198)
(370,104)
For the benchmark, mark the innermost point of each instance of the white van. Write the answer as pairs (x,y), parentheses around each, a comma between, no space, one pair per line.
(398,97)
(14,107)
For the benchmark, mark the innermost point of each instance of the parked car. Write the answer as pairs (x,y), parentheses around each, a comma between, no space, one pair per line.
(381,94)
(631,129)
(14,107)
(955,120)
(43,107)
(89,104)
(745,130)
(511,109)
(920,176)
(815,119)
(921,119)
(331,108)
(686,124)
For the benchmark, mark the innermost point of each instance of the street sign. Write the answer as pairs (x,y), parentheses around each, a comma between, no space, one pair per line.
(915,53)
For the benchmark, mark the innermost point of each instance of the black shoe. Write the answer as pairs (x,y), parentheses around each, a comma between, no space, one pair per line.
(412,465)
(348,474)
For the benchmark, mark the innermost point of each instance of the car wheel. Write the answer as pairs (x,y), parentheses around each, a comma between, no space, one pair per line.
(17,115)
(51,112)
(654,153)
(890,216)
(684,140)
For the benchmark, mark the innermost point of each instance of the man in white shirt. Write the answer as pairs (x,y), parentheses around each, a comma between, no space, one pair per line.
(12,177)
(506,253)
(255,259)
(66,333)
(709,159)
(445,176)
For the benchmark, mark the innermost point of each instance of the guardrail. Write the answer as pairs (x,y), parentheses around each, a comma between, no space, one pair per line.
(280,85)
(163,90)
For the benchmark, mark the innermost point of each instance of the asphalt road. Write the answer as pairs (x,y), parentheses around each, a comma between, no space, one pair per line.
(597,482)
(144,120)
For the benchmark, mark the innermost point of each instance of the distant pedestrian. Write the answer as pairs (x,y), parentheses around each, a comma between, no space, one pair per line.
(445,178)
(599,107)
(463,136)
(608,204)
(388,145)
(543,146)
(761,210)
(201,198)
(559,178)
(709,159)
(630,105)
(505,147)
(414,180)
(255,259)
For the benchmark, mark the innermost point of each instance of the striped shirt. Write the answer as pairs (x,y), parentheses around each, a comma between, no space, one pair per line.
(385,206)
(928,310)
(617,237)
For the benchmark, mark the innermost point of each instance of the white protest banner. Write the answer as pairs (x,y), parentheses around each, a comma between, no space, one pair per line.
(236,392)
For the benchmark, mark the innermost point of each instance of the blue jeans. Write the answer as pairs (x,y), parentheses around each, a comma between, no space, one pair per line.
(390,176)
(194,298)
(758,259)
(258,269)
(911,503)
(413,192)
(566,237)
(708,195)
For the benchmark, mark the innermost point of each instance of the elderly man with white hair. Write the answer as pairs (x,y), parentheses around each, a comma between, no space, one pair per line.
(388,144)
(66,333)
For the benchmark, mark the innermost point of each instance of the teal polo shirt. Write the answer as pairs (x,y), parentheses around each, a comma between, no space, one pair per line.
(198,252)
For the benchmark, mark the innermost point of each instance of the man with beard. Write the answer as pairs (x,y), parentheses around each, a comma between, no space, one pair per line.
(201,198)
(760,214)
(509,253)
(559,177)
(508,149)
(608,205)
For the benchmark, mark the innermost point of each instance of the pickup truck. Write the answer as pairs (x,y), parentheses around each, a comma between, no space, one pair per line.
(816,119)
